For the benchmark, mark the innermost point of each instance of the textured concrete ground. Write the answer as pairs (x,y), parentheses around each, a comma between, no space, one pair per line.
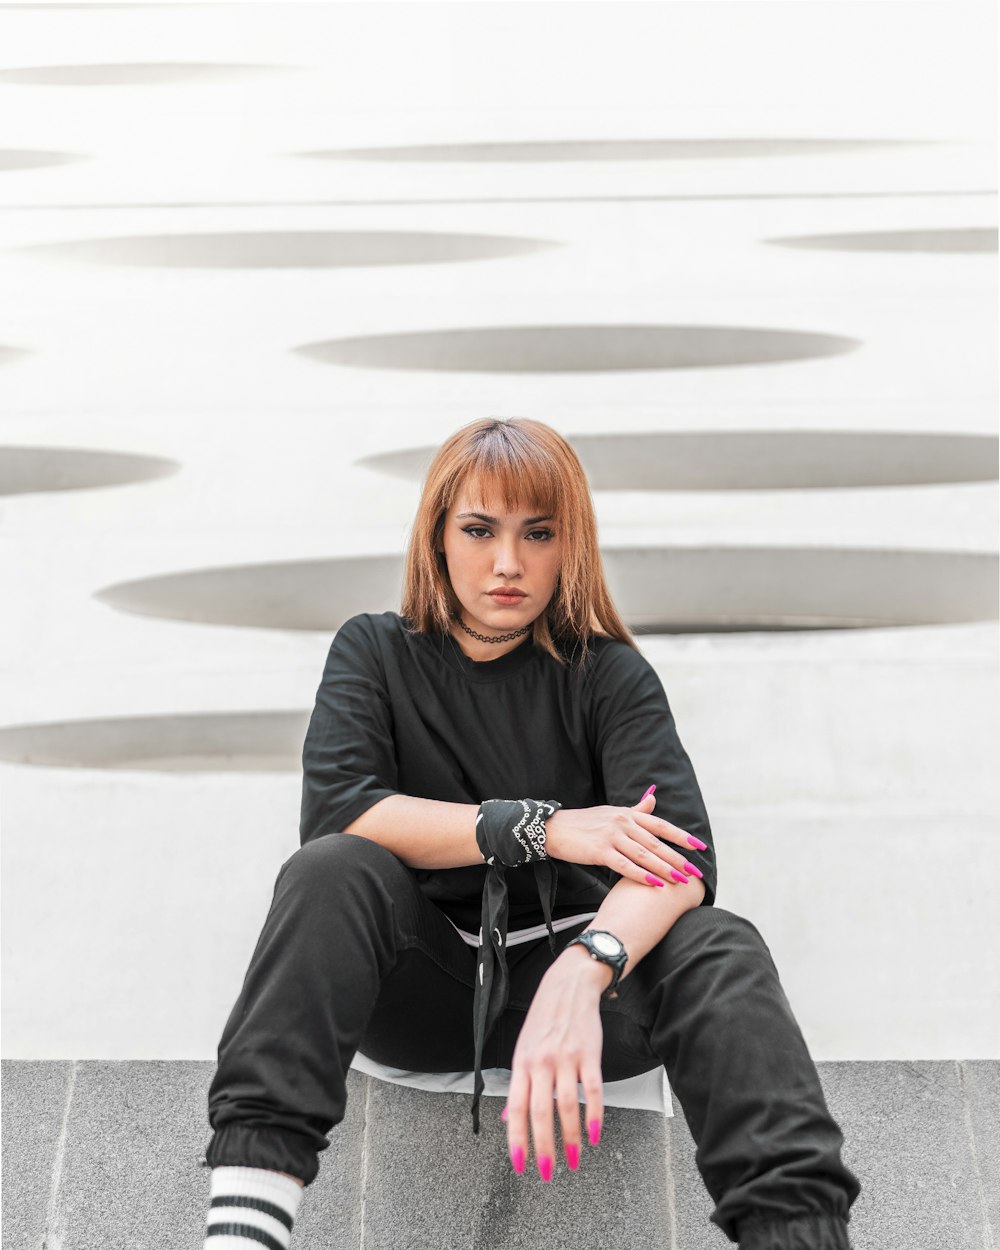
(106,1154)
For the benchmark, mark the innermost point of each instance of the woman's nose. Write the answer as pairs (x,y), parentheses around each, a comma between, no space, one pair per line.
(506,561)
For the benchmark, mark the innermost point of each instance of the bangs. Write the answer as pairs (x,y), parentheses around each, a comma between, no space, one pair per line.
(500,473)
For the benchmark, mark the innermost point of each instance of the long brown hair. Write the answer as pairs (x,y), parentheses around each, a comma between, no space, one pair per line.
(516,460)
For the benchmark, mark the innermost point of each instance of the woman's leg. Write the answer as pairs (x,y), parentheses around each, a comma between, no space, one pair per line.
(707,1002)
(350,946)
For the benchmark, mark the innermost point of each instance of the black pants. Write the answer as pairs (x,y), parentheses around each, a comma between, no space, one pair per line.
(353,956)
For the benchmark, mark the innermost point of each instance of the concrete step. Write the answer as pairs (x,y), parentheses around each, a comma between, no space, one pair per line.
(105,1154)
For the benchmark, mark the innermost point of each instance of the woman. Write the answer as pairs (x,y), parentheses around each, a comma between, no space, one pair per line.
(409,913)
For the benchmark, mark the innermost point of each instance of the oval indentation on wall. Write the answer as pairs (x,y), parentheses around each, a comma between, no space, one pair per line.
(756,459)
(560,150)
(142,74)
(735,589)
(657,590)
(23,158)
(31,470)
(286,249)
(295,594)
(577,348)
(183,742)
(958,239)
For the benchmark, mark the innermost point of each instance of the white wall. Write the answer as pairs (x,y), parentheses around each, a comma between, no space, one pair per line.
(850,774)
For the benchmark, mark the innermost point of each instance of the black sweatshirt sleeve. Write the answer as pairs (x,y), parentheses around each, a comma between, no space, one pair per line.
(349,754)
(637,745)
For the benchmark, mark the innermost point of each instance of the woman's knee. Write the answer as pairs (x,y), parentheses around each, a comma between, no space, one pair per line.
(336,860)
(714,928)
(709,955)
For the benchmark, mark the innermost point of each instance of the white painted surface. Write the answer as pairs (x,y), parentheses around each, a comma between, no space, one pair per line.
(850,776)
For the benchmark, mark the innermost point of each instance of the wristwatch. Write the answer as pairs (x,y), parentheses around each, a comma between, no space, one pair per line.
(607,949)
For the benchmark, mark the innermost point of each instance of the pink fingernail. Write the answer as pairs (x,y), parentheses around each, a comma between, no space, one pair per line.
(691,870)
(594,1131)
(503,1115)
(649,791)
(678,876)
(653,880)
(545,1167)
(572,1156)
(697,843)
(517,1159)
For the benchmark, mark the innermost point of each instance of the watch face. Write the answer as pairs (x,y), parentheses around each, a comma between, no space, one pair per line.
(606,944)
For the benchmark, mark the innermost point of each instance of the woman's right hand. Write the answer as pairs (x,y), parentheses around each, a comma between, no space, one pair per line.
(625,839)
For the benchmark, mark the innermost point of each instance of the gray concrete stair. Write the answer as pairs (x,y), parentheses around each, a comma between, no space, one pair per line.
(102,1155)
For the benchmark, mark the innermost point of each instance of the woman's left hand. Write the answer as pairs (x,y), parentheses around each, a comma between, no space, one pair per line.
(558,1047)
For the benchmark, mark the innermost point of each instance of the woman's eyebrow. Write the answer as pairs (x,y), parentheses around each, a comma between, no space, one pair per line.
(482,516)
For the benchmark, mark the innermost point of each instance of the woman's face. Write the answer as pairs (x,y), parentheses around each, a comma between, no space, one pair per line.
(487,549)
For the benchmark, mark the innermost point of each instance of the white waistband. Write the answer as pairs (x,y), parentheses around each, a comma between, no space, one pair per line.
(516,936)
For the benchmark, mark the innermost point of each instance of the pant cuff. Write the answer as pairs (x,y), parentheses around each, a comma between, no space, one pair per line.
(253,1146)
(800,1232)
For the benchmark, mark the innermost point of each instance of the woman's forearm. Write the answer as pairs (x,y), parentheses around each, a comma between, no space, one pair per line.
(423,833)
(639,916)
(428,833)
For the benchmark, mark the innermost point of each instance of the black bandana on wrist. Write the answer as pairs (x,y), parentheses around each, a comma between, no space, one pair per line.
(510,833)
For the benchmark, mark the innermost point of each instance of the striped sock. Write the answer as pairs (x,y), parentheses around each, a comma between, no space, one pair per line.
(251,1207)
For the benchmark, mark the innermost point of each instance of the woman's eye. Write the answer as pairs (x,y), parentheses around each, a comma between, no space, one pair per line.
(474,531)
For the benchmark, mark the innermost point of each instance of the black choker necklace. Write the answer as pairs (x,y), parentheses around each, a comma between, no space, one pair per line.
(503,637)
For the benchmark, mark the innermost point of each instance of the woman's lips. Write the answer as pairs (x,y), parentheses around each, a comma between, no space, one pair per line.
(508,599)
